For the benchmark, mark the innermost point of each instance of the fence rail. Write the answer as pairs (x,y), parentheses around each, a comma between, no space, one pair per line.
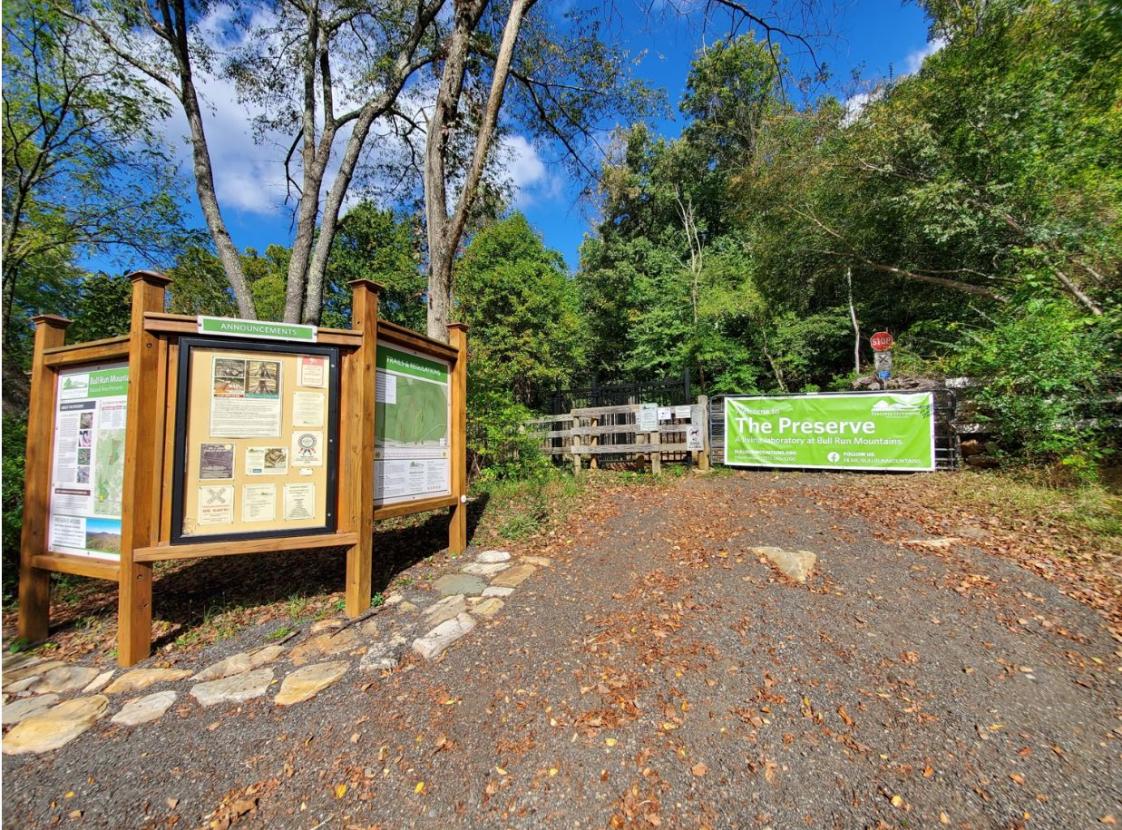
(600,433)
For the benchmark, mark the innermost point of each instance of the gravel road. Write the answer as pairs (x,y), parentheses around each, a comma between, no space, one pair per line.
(660,673)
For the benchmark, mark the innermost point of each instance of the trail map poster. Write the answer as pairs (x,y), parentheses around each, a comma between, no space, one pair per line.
(88,461)
(886,431)
(412,459)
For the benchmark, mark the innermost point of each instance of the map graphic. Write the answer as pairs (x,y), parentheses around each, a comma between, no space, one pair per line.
(420,417)
(109,472)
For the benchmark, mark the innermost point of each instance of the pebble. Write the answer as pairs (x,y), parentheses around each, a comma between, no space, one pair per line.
(145,709)
(55,727)
(18,710)
(491,556)
(138,679)
(235,689)
(305,683)
(241,662)
(433,644)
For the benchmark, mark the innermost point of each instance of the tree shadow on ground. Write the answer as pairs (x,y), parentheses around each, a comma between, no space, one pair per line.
(185,594)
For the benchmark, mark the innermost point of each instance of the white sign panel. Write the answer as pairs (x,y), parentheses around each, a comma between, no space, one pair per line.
(88,461)
(646,420)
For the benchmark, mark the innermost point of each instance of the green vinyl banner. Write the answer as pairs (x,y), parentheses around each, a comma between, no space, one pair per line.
(880,431)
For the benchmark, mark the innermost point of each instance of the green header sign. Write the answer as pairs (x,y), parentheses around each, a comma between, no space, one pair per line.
(261,329)
(883,431)
(109,383)
(392,360)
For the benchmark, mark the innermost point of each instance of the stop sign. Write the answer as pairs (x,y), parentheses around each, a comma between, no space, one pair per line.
(881,341)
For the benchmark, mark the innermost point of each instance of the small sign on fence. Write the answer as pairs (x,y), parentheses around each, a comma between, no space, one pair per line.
(646,419)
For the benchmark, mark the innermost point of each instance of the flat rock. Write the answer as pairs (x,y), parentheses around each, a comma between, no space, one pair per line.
(384,655)
(138,679)
(325,645)
(488,608)
(98,682)
(406,606)
(370,628)
(63,679)
(540,561)
(32,666)
(459,584)
(796,565)
(309,681)
(514,576)
(145,709)
(56,726)
(240,662)
(22,685)
(24,708)
(485,569)
(326,625)
(433,644)
(492,556)
(497,591)
(393,599)
(446,609)
(235,689)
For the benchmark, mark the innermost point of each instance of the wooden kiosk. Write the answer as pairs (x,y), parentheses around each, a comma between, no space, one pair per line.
(195,437)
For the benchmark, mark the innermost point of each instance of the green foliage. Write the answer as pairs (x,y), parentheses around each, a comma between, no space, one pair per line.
(1041,372)
(382,246)
(15,440)
(521,306)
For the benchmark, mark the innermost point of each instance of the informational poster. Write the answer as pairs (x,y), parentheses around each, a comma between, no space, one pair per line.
(256,427)
(646,420)
(88,461)
(883,431)
(412,458)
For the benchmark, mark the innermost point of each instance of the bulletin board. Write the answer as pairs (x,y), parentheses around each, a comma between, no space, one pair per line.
(256,440)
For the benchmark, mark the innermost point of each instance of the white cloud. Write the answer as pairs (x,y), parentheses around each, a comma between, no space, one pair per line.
(913,62)
(530,179)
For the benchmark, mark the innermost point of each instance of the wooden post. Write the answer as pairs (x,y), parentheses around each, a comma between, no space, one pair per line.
(141,495)
(703,456)
(574,446)
(593,463)
(35,583)
(357,468)
(457,524)
(656,456)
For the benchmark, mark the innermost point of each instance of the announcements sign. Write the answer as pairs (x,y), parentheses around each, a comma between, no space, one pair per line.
(412,457)
(256,440)
(88,461)
(883,431)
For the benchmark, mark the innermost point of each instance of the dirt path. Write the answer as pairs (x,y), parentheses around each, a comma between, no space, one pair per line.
(661,674)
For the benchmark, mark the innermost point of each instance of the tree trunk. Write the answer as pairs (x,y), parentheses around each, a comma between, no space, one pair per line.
(856,327)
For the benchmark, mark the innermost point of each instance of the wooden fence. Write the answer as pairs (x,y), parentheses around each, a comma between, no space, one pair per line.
(679,433)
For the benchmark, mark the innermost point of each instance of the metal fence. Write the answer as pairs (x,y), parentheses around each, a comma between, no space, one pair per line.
(947,453)
(668,391)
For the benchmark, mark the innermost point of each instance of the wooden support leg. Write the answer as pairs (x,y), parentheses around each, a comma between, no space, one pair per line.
(34,603)
(357,497)
(35,583)
(134,613)
(457,519)
(656,456)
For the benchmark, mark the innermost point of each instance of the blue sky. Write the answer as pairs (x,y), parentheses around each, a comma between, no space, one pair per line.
(874,37)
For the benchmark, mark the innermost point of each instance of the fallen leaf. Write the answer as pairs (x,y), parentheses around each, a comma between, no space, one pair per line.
(1017,778)
(172,803)
(340,790)
(420,788)
(610,741)
(699,770)
(897,801)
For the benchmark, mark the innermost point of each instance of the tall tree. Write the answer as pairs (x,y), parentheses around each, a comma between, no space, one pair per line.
(318,68)
(83,171)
